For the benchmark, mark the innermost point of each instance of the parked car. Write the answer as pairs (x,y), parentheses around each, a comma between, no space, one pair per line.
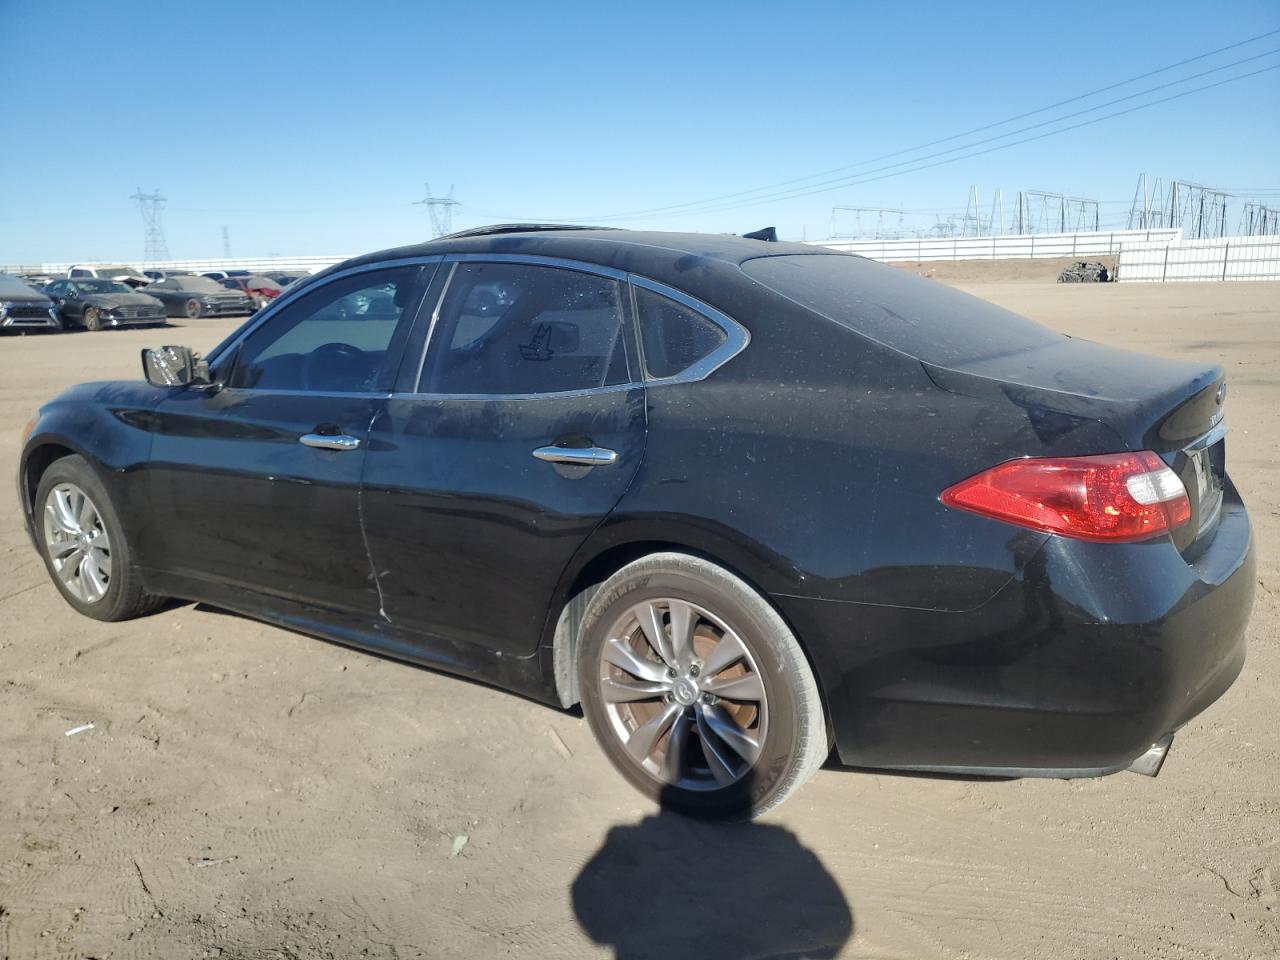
(192,297)
(262,290)
(37,281)
(285,279)
(154,275)
(221,275)
(742,500)
(98,304)
(109,271)
(22,307)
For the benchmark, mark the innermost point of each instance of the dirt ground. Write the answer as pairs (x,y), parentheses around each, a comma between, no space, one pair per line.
(246,792)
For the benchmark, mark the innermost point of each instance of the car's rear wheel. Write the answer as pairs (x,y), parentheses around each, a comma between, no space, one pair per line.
(697,690)
(193,309)
(84,546)
(92,318)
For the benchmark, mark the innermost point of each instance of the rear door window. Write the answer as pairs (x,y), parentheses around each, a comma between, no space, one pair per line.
(522,329)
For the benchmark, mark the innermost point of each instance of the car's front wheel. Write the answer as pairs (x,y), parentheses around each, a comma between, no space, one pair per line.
(193,309)
(84,546)
(697,690)
(92,318)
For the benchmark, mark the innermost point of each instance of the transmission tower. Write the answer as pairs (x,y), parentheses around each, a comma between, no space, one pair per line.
(1200,211)
(880,232)
(440,209)
(1259,220)
(154,246)
(1146,210)
(226,243)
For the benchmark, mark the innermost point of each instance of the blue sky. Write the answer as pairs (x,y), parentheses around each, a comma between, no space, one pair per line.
(310,128)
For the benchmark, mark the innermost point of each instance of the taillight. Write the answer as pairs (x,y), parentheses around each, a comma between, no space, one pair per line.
(1112,497)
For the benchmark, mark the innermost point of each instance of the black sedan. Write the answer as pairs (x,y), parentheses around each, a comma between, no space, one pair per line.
(98,304)
(744,501)
(193,297)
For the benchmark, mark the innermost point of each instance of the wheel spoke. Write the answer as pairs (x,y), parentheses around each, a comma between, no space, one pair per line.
(719,757)
(748,688)
(726,653)
(100,541)
(683,620)
(87,514)
(620,654)
(70,565)
(675,765)
(62,513)
(729,733)
(91,580)
(655,632)
(61,548)
(646,736)
(619,691)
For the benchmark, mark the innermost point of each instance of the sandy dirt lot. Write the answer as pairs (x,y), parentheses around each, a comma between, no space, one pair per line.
(250,793)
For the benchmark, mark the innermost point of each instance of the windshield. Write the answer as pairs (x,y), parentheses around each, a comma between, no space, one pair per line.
(102,286)
(922,318)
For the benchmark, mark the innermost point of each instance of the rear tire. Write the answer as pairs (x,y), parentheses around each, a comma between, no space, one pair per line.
(727,722)
(193,309)
(92,319)
(75,519)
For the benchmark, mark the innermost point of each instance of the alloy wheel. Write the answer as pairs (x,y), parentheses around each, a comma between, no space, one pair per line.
(77,543)
(683,694)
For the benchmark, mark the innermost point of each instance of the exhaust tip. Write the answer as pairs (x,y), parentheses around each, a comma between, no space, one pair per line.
(1149,763)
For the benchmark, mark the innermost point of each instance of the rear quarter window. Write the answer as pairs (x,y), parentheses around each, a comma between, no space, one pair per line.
(922,318)
(673,336)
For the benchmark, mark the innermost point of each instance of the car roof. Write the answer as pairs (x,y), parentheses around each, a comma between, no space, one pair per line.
(600,245)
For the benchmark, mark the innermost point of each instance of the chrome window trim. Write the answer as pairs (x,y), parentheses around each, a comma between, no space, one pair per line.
(537,260)
(737,337)
(282,301)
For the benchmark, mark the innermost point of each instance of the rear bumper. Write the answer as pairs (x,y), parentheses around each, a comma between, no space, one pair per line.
(1075,668)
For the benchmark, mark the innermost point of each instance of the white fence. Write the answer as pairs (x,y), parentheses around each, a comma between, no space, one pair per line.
(1226,258)
(1016,246)
(260,264)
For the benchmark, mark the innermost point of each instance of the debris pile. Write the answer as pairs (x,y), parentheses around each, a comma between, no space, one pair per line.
(1086,271)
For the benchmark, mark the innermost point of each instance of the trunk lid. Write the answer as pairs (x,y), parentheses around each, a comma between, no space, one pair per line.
(1172,407)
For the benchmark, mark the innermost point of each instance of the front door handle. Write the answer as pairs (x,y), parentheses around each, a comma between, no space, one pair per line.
(324,441)
(580,456)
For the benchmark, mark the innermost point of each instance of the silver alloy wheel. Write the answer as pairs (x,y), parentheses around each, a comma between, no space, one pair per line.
(77,543)
(683,694)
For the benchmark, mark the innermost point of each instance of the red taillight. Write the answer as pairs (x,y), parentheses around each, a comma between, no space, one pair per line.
(1112,497)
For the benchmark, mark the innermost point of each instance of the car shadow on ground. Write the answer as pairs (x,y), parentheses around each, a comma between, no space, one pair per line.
(671,887)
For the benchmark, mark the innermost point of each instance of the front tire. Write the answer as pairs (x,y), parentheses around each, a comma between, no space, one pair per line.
(193,309)
(92,319)
(84,546)
(697,690)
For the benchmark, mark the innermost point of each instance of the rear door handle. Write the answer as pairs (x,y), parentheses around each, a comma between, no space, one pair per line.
(324,441)
(581,456)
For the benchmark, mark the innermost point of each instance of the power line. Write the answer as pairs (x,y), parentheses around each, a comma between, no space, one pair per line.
(980,129)
(862,179)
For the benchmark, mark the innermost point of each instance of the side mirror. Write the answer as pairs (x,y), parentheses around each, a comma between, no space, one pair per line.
(173,367)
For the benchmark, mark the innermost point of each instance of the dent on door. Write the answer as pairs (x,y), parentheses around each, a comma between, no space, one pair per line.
(470,526)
